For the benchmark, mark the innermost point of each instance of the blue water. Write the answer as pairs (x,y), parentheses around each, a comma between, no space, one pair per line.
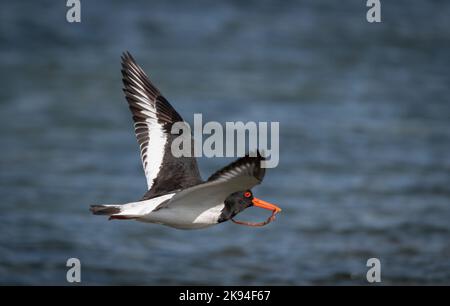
(364,116)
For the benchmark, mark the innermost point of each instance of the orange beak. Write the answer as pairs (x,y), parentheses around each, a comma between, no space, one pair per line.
(263,204)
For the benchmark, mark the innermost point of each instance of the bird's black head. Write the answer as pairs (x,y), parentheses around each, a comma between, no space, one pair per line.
(238,201)
(235,203)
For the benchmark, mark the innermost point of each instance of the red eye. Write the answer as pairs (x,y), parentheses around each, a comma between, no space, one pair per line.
(247,194)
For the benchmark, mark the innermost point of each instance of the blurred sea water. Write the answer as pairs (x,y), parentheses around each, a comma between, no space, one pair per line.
(364,116)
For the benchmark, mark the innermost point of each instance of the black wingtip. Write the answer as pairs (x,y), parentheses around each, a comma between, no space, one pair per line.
(126,56)
(132,73)
(259,171)
(127,61)
(256,154)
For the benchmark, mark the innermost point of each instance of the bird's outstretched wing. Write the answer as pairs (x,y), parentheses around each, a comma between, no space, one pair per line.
(153,118)
(248,167)
(241,175)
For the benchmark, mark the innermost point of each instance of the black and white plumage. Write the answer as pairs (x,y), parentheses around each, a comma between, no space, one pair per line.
(153,118)
(176,194)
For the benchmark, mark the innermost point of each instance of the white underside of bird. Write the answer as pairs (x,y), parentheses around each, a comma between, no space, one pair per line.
(188,215)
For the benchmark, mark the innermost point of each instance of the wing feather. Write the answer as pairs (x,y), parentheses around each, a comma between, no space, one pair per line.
(243,174)
(153,118)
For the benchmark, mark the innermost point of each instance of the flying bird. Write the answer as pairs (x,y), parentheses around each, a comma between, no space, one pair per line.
(177,196)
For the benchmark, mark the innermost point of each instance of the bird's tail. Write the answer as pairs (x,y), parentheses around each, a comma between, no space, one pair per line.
(109,210)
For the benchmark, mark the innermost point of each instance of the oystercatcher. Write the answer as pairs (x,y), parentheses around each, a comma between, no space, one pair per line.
(177,196)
